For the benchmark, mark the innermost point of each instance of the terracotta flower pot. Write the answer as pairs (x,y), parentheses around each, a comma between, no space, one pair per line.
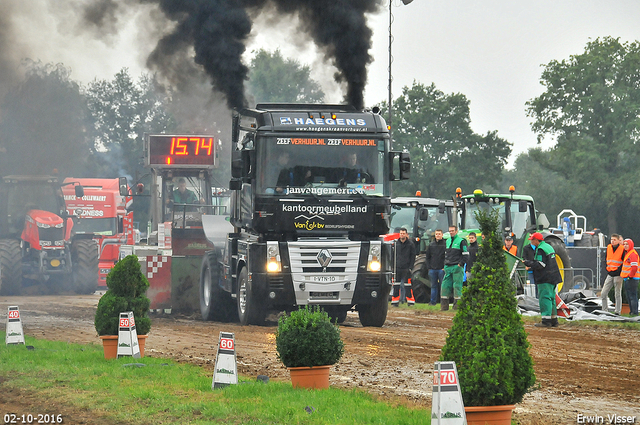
(489,415)
(316,377)
(110,345)
(625,309)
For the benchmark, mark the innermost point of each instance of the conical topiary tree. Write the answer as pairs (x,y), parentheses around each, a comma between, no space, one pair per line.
(487,339)
(127,288)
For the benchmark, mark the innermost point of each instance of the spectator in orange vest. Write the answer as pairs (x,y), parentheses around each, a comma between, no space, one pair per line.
(615,254)
(509,246)
(631,275)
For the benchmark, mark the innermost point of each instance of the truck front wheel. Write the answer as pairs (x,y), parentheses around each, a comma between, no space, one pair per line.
(10,267)
(84,258)
(215,304)
(250,312)
(375,314)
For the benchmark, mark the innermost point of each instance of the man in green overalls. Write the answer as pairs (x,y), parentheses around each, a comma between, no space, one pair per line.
(455,257)
(546,276)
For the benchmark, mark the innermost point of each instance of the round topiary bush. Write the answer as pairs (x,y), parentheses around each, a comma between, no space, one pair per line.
(487,339)
(127,287)
(307,338)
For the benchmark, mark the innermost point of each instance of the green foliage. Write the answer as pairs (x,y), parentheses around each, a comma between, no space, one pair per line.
(487,339)
(445,153)
(124,110)
(308,338)
(127,288)
(591,103)
(42,120)
(275,79)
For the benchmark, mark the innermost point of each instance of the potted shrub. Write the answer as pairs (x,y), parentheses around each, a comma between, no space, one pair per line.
(127,286)
(308,344)
(487,339)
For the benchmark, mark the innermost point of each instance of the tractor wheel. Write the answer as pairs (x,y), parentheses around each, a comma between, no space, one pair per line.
(10,267)
(375,314)
(250,312)
(84,260)
(215,304)
(421,285)
(564,264)
(587,240)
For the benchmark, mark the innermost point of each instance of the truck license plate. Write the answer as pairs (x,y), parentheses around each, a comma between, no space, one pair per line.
(324,278)
(324,295)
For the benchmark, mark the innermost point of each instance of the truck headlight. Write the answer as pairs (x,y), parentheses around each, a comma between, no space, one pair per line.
(373,262)
(273,257)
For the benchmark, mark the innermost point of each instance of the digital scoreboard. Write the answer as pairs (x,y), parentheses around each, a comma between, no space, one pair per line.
(180,151)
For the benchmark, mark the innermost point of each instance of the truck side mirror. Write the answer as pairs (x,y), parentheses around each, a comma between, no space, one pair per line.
(399,166)
(424,214)
(79,191)
(248,159)
(405,166)
(237,165)
(124,187)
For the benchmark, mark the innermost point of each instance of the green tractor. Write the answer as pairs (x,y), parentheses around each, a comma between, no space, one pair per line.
(519,218)
(421,217)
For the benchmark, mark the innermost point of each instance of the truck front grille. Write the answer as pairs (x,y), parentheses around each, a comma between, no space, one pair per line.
(304,256)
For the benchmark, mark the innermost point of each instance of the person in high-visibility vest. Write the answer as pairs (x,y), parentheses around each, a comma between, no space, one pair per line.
(456,255)
(547,275)
(615,255)
(509,246)
(631,275)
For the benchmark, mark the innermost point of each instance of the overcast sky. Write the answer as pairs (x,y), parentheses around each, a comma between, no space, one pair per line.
(491,51)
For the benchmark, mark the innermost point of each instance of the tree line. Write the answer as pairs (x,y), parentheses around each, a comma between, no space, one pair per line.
(590,108)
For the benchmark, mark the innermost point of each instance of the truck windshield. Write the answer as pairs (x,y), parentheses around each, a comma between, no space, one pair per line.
(322,166)
(96,226)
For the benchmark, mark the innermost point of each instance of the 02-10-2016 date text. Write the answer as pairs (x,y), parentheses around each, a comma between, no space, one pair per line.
(28,418)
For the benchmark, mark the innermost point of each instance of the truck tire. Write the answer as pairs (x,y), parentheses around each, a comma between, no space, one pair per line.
(374,314)
(338,314)
(564,264)
(10,267)
(215,303)
(84,259)
(420,285)
(250,312)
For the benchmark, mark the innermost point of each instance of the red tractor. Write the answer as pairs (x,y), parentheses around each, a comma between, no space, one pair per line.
(37,245)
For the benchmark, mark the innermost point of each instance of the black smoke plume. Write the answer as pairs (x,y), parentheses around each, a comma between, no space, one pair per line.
(218,30)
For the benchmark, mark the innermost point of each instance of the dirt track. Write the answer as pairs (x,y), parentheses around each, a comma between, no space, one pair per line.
(580,370)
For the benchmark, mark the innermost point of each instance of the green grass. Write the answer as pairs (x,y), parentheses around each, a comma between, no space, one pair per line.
(167,392)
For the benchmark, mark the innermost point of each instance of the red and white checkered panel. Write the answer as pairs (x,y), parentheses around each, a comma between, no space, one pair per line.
(155,263)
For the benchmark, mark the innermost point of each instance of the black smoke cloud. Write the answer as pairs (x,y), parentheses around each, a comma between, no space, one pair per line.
(217,32)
